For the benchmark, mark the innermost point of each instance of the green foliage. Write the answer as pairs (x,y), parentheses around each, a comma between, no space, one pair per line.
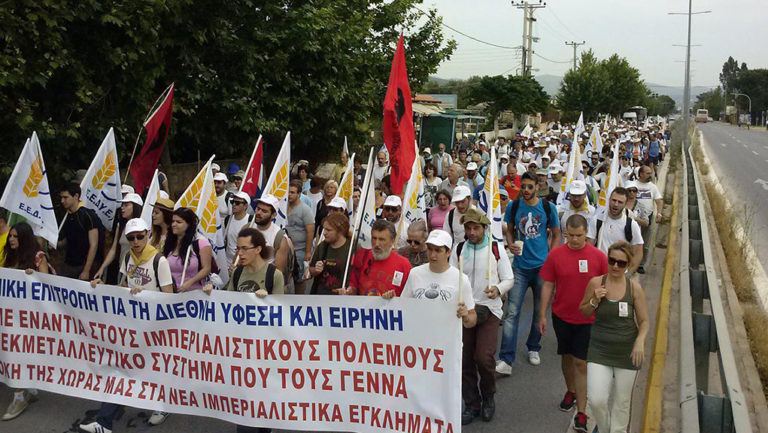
(601,86)
(71,69)
(518,94)
(741,79)
(461,88)
(712,100)
(659,105)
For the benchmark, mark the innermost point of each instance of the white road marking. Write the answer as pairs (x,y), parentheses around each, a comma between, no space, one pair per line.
(723,144)
(755,153)
(745,146)
(763,183)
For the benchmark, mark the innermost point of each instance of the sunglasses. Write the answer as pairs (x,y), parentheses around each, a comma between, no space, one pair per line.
(526,186)
(621,263)
(414,242)
(238,202)
(390,208)
(132,238)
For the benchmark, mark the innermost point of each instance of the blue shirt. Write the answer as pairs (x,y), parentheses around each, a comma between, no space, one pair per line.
(653,148)
(529,223)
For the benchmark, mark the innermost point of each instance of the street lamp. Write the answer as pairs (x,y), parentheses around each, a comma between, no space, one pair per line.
(736,94)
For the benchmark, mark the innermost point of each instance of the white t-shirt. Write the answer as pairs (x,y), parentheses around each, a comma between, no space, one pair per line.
(647,193)
(314,198)
(612,230)
(422,283)
(379,172)
(454,227)
(144,275)
(589,214)
(269,236)
(223,205)
(230,235)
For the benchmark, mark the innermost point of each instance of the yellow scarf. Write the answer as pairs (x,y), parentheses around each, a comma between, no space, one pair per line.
(146,254)
(584,206)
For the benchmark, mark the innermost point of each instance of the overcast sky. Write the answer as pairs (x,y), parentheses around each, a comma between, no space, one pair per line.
(640,30)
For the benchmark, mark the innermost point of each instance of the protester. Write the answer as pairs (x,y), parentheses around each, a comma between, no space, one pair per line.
(303,172)
(511,181)
(253,272)
(436,214)
(533,223)
(641,214)
(130,207)
(162,218)
(22,251)
(233,223)
(381,168)
(443,160)
(329,192)
(453,179)
(328,262)
(431,185)
(438,280)
(281,247)
(488,286)
(189,256)
(223,196)
(378,271)
(462,200)
(300,228)
(577,204)
(82,234)
(614,223)
(567,270)
(416,249)
(4,228)
(648,194)
(338,170)
(617,340)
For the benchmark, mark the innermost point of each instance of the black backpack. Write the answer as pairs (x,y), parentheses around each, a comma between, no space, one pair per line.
(196,248)
(627,227)
(548,207)
(269,280)
(155,265)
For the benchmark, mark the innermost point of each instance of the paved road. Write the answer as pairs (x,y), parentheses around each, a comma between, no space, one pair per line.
(740,160)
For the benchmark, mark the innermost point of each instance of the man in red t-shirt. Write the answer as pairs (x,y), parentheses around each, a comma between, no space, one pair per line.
(378,271)
(511,181)
(569,267)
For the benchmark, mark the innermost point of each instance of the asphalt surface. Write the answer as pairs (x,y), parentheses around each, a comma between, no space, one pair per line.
(739,158)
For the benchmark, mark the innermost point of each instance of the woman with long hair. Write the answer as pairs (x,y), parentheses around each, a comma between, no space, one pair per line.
(436,215)
(321,211)
(162,217)
(130,207)
(431,184)
(327,263)
(617,339)
(183,246)
(22,251)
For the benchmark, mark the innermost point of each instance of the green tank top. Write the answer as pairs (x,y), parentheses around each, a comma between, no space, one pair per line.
(612,336)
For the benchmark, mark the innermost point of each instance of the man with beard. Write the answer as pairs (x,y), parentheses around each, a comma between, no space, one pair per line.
(378,271)
(613,223)
(392,211)
(223,196)
(282,248)
(577,204)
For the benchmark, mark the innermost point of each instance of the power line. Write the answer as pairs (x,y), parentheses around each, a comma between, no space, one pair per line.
(562,23)
(550,60)
(471,37)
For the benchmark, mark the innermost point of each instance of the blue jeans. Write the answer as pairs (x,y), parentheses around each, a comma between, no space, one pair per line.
(107,414)
(524,278)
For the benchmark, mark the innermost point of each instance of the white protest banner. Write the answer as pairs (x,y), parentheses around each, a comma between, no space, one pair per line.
(332,363)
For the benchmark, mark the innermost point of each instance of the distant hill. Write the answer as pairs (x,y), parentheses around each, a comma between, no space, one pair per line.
(551,85)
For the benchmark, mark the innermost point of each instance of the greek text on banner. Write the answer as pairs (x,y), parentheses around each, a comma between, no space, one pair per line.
(290,362)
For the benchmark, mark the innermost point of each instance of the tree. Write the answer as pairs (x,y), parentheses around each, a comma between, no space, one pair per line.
(584,89)
(730,74)
(753,82)
(70,70)
(521,95)
(712,100)
(659,105)
(461,88)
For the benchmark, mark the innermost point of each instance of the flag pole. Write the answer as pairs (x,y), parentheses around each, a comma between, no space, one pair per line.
(359,216)
(138,136)
(186,263)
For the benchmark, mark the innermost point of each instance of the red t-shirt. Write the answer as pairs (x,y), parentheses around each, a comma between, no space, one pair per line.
(512,185)
(376,277)
(571,270)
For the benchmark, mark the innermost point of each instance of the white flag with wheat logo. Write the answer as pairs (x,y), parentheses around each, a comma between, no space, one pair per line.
(277,185)
(100,188)
(27,192)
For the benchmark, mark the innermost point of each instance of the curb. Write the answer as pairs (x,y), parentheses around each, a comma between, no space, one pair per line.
(652,407)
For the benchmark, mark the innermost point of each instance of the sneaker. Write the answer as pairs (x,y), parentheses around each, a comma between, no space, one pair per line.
(580,422)
(503,368)
(94,427)
(157,417)
(21,400)
(534,358)
(569,401)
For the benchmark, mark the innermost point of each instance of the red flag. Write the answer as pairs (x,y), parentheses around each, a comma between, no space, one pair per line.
(252,180)
(156,129)
(397,127)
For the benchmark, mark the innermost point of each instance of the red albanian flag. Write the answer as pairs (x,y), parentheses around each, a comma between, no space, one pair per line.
(156,130)
(397,126)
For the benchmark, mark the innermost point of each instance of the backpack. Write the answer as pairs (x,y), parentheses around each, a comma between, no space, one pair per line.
(292,265)
(229,217)
(548,208)
(627,227)
(450,220)
(155,265)
(269,280)
(196,248)
(494,248)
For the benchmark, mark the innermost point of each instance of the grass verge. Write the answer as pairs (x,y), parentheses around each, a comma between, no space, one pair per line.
(734,241)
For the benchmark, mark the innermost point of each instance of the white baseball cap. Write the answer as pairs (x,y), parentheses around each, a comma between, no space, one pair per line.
(578,187)
(555,168)
(460,193)
(270,200)
(136,225)
(339,203)
(471,166)
(392,200)
(630,184)
(215,166)
(243,195)
(503,156)
(127,189)
(440,238)
(221,177)
(132,197)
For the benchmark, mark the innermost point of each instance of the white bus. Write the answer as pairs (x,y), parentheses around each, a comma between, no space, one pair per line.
(702,115)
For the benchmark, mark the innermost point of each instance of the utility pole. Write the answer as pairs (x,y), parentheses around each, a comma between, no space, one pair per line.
(687,88)
(575,44)
(528,38)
